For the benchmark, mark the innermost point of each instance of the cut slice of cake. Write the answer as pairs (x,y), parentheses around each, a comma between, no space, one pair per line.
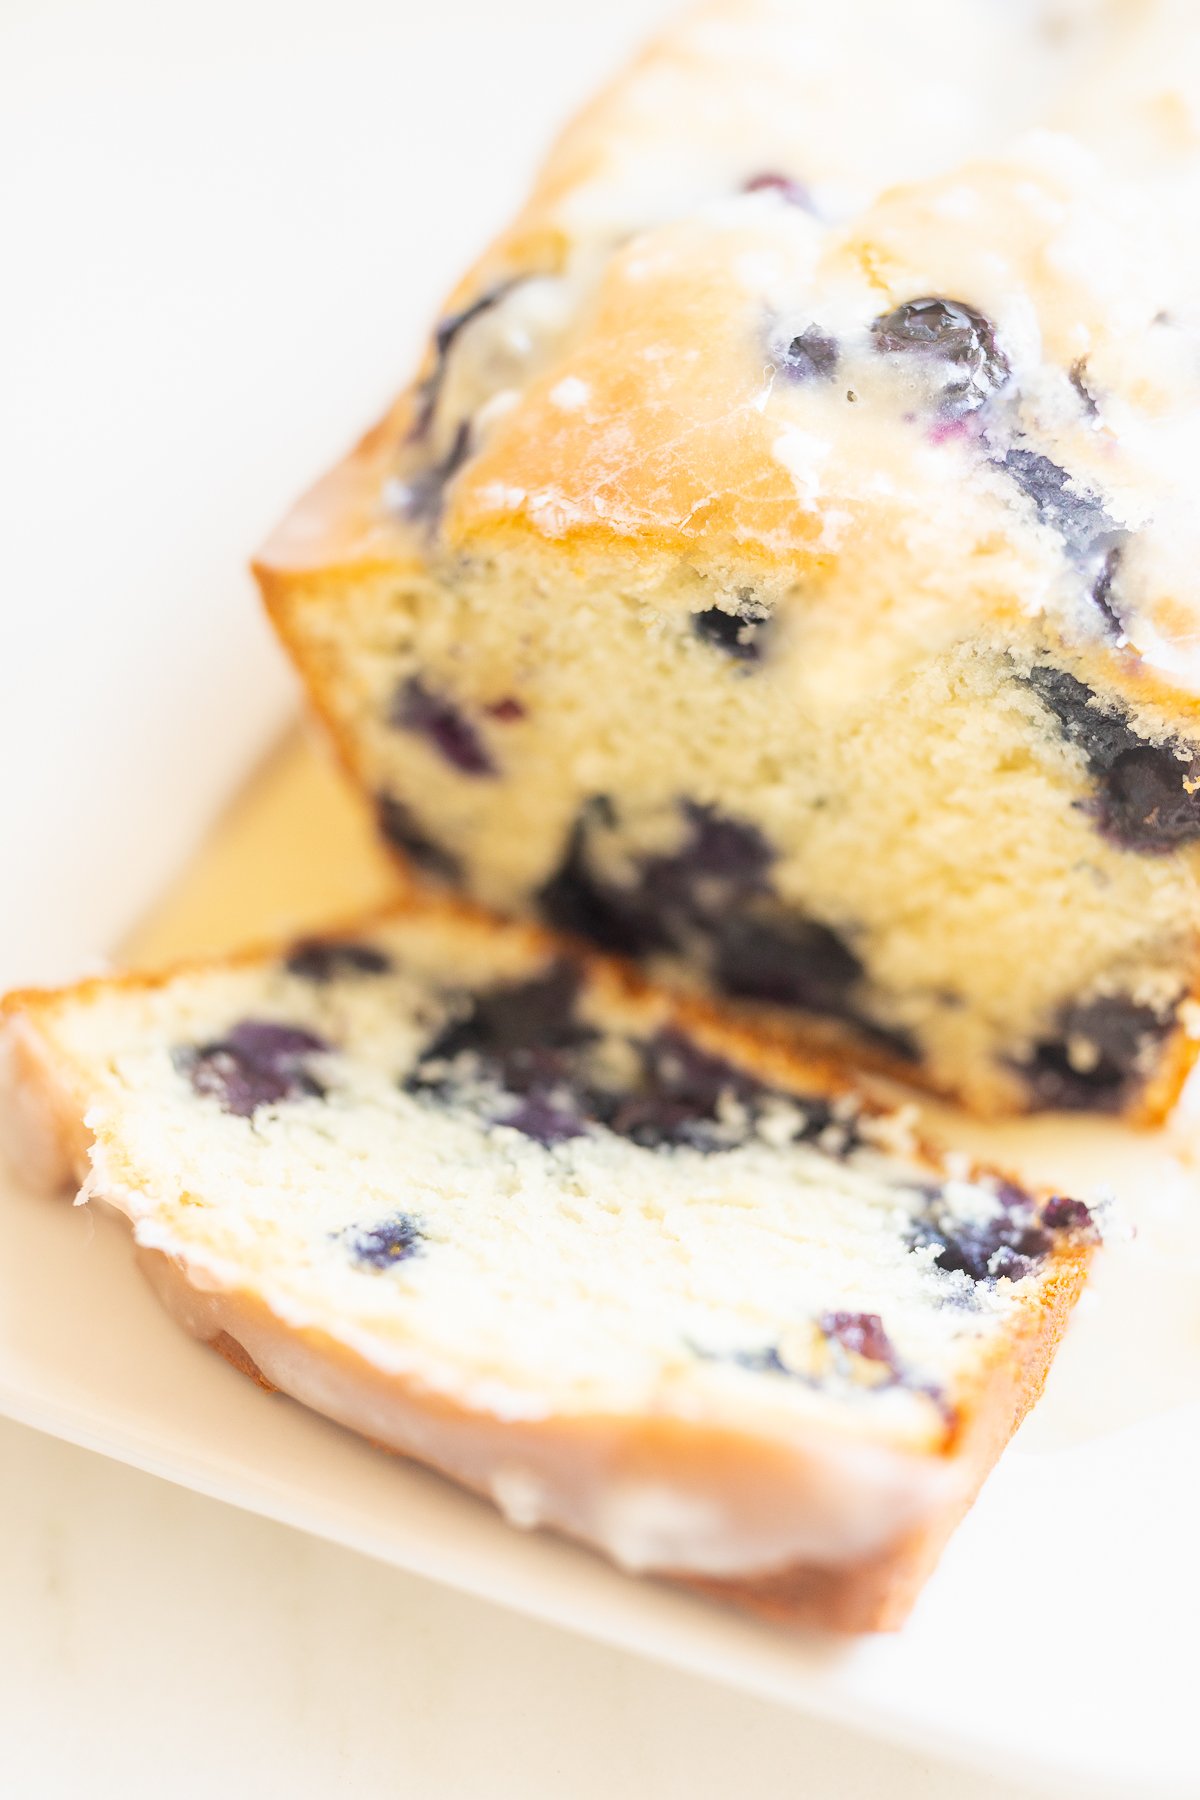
(784,568)
(639,1278)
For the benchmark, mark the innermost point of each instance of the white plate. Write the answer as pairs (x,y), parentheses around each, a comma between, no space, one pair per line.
(1056,1640)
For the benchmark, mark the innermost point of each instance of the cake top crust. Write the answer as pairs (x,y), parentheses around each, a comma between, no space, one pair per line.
(841,304)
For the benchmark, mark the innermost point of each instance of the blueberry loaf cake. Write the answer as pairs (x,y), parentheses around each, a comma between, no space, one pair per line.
(783,569)
(586,1249)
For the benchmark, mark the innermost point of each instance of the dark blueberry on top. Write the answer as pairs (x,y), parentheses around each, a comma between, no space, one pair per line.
(444,338)
(1098,1053)
(256,1064)
(401,830)
(321,959)
(739,634)
(418,708)
(794,192)
(1075,512)
(421,494)
(508,710)
(862,1334)
(1092,539)
(1010,1242)
(951,333)
(387,1242)
(810,356)
(1142,800)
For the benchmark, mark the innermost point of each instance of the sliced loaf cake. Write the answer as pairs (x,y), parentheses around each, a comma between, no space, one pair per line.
(639,1278)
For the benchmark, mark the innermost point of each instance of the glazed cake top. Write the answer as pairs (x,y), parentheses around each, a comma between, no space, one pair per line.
(882,317)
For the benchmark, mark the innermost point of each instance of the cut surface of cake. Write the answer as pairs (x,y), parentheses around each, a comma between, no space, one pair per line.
(783,569)
(592,1252)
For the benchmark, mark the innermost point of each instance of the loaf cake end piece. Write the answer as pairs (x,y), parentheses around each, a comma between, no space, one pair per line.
(783,569)
(596,1255)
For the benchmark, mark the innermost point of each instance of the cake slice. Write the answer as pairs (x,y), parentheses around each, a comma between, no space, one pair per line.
(783,569)
(637,1277)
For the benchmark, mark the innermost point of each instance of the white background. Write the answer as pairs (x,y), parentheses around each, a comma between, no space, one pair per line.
(224,229)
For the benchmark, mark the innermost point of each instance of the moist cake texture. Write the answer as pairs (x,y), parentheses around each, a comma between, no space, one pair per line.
(783,567)
(621,1268)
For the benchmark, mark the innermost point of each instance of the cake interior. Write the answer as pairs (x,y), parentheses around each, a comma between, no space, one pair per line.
(514,1185)
(975,860)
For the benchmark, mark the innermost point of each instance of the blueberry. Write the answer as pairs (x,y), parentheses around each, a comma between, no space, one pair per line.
(444,338)
(1011,1242)
(949,332)
(321,959)
(786,960)
(720,860)
(421,495)
(794,192)
(739,634)
(256,1064)
(679,1096)
(1072,1216)
(810,356)
(1142,799)
(548,1123)
(861,1334)
(711,898)
(1078,379)
(1096,1056)
(1074,512)
(400,828)
(528,1040)
(418,708)
(519,1034)
(1092,540)
(507,711)
(382,1245)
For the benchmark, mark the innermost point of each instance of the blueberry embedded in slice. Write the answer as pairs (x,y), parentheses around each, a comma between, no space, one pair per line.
(257,1063)
(769,182)
(545,1120)
(1144,792)
(388,1242)
(320,960)
(862,1334)
(1071,1217)
(1008,1243)
(739,634)
(431,715)
(670,897)
(1098,1054)
(400,828)
(951,333)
